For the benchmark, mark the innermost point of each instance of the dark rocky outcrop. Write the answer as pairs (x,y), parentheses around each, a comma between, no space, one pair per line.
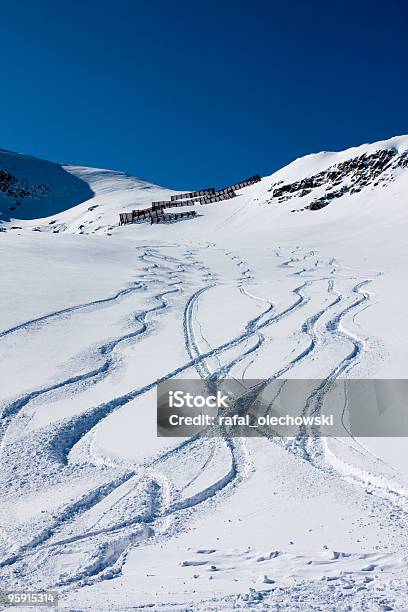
(352,176)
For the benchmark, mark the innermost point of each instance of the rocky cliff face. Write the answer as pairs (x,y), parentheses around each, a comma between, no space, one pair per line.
(18,189)
(351,176)
(32,188)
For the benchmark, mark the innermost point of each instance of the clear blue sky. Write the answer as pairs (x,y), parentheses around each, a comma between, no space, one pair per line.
(195,93)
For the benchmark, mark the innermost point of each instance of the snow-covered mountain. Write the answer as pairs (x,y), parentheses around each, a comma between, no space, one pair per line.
(302,275)
(45,196)
(31,188)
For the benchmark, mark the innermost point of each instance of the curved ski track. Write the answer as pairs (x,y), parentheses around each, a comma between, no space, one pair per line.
(176,276)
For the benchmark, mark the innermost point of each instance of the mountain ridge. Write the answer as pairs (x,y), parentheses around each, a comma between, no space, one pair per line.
(41,195)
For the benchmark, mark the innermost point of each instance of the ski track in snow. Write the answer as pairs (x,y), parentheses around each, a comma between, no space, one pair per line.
(168,278)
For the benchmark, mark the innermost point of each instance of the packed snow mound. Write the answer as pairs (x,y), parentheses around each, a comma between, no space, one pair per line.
(31,188)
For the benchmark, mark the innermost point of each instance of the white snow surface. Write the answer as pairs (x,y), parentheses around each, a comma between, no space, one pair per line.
(92,316)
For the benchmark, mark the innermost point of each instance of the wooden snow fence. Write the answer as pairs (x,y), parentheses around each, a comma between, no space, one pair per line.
(249,181)
(193,194)
(172,216)
(135,216)
(154,216)
(203,196)
(200,200)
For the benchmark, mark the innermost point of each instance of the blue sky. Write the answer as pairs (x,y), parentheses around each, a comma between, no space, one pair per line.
(191,94)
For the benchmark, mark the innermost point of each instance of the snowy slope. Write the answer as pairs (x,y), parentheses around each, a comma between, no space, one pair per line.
(89,200)
(93,504)
(40,195)
(31,188)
